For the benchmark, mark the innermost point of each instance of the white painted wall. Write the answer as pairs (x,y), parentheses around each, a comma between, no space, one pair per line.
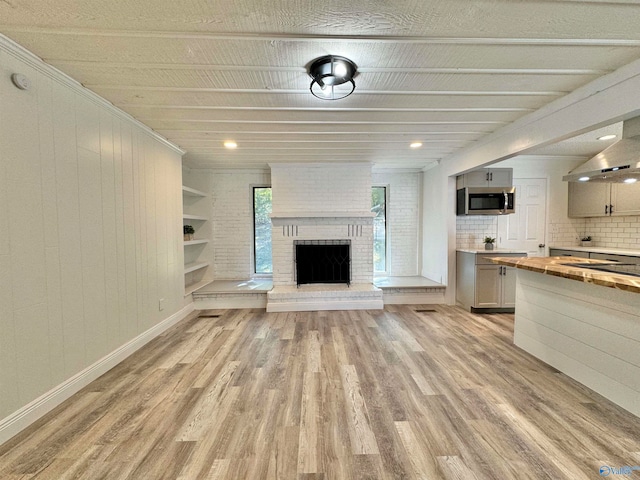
(232,220)
(322,201)
(403,219)
(438,211)
(321,187)
(90,240)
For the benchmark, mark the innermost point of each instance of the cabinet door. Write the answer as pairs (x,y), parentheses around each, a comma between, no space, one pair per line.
(488,286)
(477,178)
(588,199)
(508,287)
(625,198)
(560,252)
(615,258)
(500,177)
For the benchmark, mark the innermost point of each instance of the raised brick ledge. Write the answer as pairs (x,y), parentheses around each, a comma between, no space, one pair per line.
(324,297)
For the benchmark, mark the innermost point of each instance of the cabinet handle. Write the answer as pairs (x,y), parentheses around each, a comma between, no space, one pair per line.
(541,245)
(491,176)
(606,209)
(610,209)
(487,176)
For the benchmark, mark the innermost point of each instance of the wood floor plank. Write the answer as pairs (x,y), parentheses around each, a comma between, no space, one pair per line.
(391,394)
(423,464)
(363,440)
(218,470)
(314,353)
(309,443)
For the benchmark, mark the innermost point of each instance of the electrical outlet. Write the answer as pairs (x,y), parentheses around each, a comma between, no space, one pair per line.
(161,304)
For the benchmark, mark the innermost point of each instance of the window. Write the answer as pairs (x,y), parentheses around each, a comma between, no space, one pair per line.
(262,229)
(379,207)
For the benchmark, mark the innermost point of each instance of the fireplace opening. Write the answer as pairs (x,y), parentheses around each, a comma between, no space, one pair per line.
(323,261)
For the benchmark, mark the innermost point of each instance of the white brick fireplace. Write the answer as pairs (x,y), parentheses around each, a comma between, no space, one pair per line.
(327,201)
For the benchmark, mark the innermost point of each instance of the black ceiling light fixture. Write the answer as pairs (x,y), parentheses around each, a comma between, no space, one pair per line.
(332,77)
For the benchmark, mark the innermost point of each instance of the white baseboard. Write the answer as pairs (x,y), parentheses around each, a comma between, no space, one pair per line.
(25,416)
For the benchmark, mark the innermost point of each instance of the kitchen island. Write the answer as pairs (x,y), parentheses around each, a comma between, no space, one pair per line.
(583,322)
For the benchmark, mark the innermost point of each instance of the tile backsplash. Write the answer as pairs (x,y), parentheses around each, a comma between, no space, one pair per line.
(471,230)
(613,232)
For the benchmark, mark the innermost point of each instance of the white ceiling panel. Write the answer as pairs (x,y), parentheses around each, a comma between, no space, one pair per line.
(444,72)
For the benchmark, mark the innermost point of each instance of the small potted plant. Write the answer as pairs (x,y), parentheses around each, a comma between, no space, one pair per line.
(488,243)
(586,241)
(188,232)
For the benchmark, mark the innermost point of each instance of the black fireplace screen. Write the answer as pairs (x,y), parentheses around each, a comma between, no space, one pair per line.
(323,261)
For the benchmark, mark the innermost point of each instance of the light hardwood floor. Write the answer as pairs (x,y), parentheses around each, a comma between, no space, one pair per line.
(330,395)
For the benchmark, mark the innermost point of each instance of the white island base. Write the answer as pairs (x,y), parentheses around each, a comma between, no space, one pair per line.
(589,332)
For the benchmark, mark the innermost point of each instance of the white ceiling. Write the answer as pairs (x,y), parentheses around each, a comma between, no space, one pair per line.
(443,72)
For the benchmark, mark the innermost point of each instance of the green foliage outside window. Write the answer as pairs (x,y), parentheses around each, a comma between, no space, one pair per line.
(262,229)
(379,207)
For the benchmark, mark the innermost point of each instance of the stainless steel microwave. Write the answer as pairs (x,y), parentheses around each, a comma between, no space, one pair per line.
(486,201)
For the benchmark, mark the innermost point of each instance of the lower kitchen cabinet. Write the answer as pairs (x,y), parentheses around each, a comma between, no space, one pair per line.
(481,284)
(563,252)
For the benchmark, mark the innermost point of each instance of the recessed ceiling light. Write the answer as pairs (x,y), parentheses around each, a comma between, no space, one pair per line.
(607,137)
(583,179)
(230,144)
(416,145)
(630,180)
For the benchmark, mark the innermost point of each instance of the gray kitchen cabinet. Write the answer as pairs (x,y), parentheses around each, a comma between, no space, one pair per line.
(481,284)
(589,199)
(625,198)
(486,177)
(615,258)
(562,252)
(603,199)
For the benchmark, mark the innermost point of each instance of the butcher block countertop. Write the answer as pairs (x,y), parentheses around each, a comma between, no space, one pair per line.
(554,266)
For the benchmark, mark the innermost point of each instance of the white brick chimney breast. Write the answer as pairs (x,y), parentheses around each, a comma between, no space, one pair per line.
(322,201)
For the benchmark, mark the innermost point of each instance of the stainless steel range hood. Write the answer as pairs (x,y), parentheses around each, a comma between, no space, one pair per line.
(616,164)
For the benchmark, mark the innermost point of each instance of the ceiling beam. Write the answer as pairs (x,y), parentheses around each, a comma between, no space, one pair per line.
(608,99)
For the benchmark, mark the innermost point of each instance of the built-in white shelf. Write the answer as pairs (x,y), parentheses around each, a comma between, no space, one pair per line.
(199,218)
(192,267)
(197,267)
(192,192)
(196,242)
(189,289)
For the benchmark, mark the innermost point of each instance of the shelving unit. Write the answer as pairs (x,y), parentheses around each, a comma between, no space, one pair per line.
(196,242)
(192,267)
(192,192)
(198,218)
(197,272)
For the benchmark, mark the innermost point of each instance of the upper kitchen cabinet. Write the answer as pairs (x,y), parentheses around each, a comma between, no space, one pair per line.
(603,199)
(486,177)
(625,198)
(589,199)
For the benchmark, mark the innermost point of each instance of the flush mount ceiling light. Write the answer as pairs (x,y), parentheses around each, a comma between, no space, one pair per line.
(332,77)
(607,137)
(416,145)
(230,144)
